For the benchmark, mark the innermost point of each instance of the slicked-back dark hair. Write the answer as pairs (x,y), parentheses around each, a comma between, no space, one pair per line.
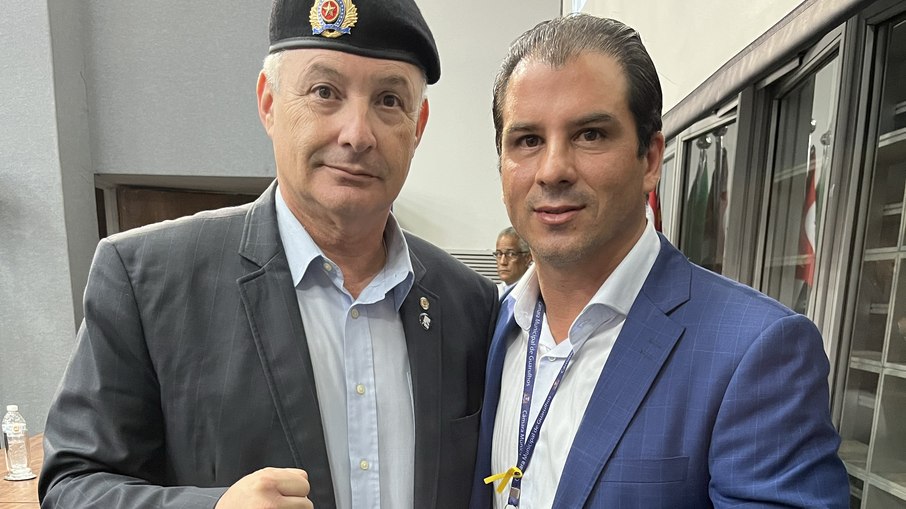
(556,41)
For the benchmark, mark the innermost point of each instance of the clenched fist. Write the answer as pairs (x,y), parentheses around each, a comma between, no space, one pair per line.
(269,488)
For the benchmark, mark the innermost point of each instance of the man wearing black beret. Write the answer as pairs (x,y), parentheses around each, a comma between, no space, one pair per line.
(302,350)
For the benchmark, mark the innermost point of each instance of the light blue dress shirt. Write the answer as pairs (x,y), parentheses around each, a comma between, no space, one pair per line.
(361,367)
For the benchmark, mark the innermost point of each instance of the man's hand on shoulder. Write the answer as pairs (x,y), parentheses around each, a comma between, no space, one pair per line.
(269,488)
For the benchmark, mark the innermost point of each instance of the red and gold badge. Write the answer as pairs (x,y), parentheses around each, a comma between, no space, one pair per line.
(332,18)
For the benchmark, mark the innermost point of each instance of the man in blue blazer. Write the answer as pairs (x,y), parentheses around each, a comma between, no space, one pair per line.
(621,375)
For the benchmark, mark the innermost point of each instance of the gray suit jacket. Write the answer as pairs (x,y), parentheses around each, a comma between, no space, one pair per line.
(192,370)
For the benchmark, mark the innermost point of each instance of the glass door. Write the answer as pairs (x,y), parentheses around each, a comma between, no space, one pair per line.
(802,154)
(873,419)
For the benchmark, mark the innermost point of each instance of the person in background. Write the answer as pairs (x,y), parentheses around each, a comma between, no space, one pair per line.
(513,258)
(620,374)
(301,350)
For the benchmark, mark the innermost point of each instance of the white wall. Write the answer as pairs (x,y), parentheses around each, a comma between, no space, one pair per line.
(453,195)
(692,39)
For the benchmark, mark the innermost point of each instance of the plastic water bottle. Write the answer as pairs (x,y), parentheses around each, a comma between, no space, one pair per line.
(15,443)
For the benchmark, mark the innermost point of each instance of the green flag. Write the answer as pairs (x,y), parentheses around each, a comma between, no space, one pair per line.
(697,207)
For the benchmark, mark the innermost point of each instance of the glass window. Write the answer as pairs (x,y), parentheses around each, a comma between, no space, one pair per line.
(661,204)
(802,155)
(708,173)
(873,420)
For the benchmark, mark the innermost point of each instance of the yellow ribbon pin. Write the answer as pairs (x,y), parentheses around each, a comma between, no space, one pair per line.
(511,473)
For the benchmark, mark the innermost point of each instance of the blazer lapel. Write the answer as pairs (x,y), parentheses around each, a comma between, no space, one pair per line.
(505,323)
(423,342)
(272,309)
(482,493)
(647,338)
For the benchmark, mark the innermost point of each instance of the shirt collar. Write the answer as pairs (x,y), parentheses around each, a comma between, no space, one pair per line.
(397,276)
(620,290)
(614,297)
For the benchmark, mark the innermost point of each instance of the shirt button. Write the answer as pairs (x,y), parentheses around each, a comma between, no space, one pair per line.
(363,465)
(360,389)
(355,313)
(328,267)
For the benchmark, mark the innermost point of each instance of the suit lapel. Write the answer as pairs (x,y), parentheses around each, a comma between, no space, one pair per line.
(481,493)
(496,356)
(643,346)
(424,347)
(272,309)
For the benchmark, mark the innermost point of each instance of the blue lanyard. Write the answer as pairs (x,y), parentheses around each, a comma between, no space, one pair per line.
(527,443)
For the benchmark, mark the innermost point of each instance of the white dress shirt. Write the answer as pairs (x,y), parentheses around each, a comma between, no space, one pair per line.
(361,367)
(591,336)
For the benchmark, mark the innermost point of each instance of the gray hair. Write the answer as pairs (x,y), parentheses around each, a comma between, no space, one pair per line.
(556,41)
(271,70)
(509,231)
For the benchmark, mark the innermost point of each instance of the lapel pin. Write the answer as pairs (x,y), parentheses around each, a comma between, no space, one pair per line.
(424,320)
(424,302)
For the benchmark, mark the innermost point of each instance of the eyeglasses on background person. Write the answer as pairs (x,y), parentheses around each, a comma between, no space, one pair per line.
(508,254)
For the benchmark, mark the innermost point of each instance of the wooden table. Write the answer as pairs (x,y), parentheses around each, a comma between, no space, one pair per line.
(22,494)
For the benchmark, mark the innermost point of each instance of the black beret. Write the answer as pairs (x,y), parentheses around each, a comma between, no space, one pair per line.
(388,29)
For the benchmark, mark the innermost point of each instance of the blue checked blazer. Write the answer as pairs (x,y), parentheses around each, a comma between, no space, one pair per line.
(714,396)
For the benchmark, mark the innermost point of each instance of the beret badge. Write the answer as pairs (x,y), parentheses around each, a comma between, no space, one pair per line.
(332,18)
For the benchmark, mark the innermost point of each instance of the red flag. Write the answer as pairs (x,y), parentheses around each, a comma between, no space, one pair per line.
(654,210)
(805,271)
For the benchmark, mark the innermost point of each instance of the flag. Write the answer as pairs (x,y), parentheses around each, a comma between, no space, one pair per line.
(805,270)
(696,210)
(653,211)
(821,171)
(715,221)
(723,202)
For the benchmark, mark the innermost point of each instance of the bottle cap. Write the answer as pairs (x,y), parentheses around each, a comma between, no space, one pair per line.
(12,408)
